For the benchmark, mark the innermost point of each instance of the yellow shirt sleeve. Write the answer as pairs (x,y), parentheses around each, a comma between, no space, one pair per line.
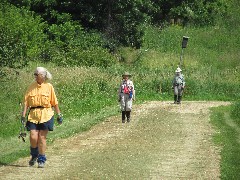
(53,99)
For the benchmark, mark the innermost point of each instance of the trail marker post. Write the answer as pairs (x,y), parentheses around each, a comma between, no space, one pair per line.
(184,45)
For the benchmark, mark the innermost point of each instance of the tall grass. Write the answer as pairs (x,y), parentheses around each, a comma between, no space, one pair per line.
(210,61)
(227,119)
(228,138)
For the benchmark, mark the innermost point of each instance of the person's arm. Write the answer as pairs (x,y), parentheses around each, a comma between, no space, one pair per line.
(134,93)
(120,89)
(119,92)
(23,117)
(25,107)
(59,115)
(54,103)
(173,82)
(183,82)
(57,110)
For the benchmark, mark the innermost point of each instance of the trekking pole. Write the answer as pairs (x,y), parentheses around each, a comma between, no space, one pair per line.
(22,133)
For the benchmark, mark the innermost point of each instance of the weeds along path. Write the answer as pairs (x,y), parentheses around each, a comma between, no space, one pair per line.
(163,141)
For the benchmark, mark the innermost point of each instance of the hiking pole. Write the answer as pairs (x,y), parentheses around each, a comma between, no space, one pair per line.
(22,133)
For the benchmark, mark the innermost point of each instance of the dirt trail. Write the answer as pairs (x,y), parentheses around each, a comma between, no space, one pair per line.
(171,141)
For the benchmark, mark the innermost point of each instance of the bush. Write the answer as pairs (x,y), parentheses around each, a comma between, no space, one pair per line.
(71,46)
(200,12)
(21,36)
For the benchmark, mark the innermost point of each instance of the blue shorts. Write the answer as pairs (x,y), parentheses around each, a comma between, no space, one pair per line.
(42,126)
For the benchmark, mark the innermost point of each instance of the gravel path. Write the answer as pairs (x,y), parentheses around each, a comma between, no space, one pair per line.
(164,141)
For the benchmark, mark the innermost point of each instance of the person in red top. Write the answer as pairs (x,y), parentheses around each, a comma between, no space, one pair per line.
(126,93)
(41,101)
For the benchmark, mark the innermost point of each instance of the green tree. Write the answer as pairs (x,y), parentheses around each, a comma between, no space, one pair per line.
(199,12)
(21,36)
(119,20)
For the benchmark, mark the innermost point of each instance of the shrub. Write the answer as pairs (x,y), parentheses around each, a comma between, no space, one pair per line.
(71,46)
(21,36)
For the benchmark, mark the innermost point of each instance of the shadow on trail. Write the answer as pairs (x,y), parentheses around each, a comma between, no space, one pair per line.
(11,165)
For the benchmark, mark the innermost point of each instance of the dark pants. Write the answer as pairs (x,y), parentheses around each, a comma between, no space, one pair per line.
(126,114)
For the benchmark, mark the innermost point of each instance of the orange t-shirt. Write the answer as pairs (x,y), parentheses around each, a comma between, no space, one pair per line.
(40,95)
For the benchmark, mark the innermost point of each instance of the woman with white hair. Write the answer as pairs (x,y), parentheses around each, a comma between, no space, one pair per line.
(40,99)
(178,85)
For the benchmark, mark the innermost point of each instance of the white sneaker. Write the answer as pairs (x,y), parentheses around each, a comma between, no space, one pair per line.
(41,165)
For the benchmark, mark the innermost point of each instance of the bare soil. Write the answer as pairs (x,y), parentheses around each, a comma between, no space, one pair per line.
(162,141)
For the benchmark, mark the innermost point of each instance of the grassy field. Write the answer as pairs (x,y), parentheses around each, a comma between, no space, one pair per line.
(228,139)
(211,67)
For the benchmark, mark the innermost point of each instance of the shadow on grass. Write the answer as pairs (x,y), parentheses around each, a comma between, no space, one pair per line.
(12,165)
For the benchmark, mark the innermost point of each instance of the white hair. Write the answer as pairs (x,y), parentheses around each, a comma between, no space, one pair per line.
(44,72)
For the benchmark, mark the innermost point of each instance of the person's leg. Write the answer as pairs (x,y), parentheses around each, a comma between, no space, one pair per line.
(123,116)
(34,138)
(179,99)
(33,146)
(175,94)
(128,108)
(42,145)
(128,114)
(42,141)
(123,107)
(175,99)
(180,91)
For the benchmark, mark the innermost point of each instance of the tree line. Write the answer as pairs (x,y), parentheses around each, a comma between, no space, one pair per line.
(65,30)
